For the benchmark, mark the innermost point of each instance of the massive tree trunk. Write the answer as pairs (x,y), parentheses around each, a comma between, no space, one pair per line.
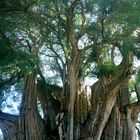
(8,125)
(121,124)
(73,84)
(108,115)
(50,106)
(30,125)
(118,123)
(104,105)
(117,119)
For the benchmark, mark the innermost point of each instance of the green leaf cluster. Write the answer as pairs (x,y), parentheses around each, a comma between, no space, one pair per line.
(107,69)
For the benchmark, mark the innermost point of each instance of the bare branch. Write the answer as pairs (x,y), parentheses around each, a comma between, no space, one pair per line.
(70,32)
(60,58)
(30,47)
(138,130)
(14,78)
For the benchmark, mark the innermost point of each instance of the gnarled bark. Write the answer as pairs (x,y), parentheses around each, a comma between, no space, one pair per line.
(8,125)
(30,125)
(121,124)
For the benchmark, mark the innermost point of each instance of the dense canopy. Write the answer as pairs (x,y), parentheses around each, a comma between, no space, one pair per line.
(72,67)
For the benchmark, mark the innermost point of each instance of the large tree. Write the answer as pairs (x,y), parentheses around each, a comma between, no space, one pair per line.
(75,39)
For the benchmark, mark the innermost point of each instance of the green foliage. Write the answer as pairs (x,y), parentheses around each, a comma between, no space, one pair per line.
(107,69)
(46,23)
(28,64)
(2,4)
(3,49)
(11,60)
(16,3)
(6,54)
(131,84)
(94,54)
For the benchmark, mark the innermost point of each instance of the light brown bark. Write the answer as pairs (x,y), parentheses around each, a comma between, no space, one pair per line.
(73,92)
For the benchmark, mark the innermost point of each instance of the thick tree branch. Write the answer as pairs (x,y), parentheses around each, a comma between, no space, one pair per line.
(70,31)
(72,6)
(83,25)
(71,35)
(118,81)
(8,125)
(59,57)
(107,42)
(14,78)
(7,117)
(138,130)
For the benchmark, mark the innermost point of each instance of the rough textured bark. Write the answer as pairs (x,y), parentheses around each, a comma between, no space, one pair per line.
(30,125)
(8,125)
(50,105)
(104,94)
(108,115)
(121,124)
(73,92)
